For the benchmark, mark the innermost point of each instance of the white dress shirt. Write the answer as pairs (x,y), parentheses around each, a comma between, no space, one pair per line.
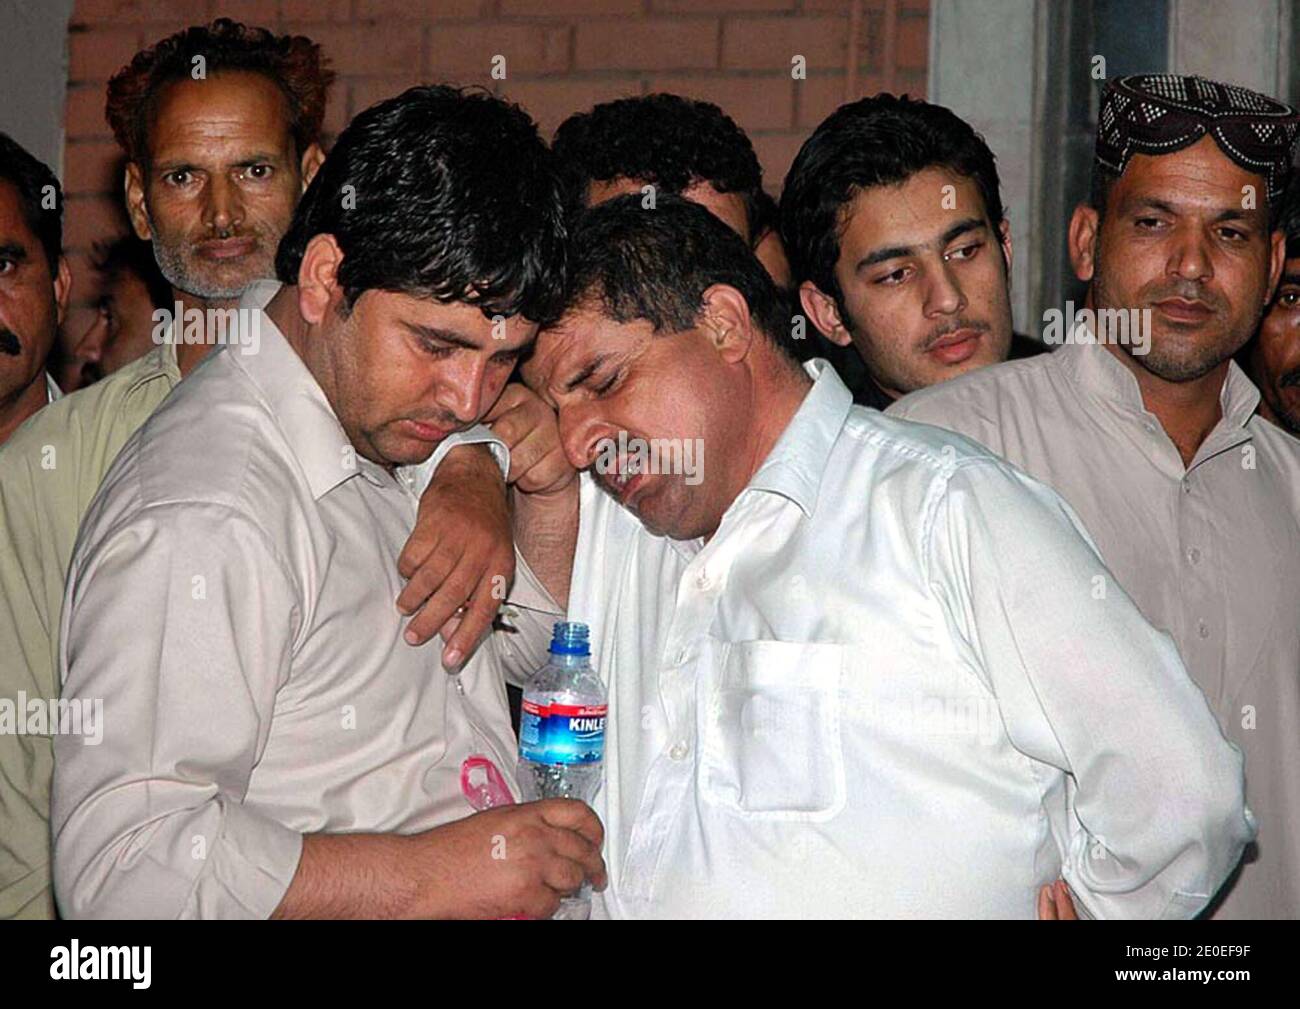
(885,688)
(231,600)
(1209,552)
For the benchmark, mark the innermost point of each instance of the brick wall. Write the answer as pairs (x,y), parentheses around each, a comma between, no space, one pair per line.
(560,56)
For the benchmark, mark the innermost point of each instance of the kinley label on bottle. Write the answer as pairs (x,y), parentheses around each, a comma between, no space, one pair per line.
(562,733)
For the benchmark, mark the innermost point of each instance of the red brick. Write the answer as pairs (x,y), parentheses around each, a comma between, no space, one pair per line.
(314,10)
(648,44)
(250,12)
(910,82)
(755,103)
(775,152)
(92,168)
(85,113)
(117,11)
(527,48)
(817,97)
(845,6)
(94,56)
(772,43)
(369,90)
(720,6)
(91,219)
(367,50)
(912,43)
(429,10)
(569,8)
(551,101)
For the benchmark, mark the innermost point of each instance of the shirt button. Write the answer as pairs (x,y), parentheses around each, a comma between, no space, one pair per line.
(1202,629)
(702,580)
(1194,555)
(679,750)
(1187,486)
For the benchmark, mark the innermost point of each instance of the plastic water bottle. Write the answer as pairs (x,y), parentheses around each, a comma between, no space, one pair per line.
(562,735)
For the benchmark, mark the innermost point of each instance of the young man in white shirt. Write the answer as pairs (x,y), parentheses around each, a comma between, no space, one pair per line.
(270,744)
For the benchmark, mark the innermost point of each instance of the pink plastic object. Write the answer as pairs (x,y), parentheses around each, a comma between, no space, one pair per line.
(482,784)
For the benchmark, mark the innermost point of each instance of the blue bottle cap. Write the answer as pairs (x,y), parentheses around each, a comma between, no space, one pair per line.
(570,639)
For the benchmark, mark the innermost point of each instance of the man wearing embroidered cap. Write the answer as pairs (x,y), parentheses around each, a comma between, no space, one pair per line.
(1188,492)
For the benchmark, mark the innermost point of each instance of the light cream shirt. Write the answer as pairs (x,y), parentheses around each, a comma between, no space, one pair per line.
(231,604)
(884,689)
(1209,552)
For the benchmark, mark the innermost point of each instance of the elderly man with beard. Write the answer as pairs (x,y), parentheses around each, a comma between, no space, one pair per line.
(836,689)
(216,166)
(1189,493)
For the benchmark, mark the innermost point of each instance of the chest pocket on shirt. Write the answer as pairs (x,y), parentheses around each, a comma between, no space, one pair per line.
(770,731)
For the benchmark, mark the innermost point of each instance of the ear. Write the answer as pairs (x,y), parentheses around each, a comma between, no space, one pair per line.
(727,323)
(318,286)
(824,313)
(310,165)
(133,185)
(1082,239)
(1004,239)
(1277,261)
(62,289)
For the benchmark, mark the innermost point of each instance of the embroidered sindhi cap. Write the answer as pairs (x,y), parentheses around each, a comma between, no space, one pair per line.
(1163,113)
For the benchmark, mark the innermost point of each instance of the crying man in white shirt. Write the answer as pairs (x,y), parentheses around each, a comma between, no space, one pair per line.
(860,667)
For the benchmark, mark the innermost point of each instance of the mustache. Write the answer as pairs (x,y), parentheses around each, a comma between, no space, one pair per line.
(952,327)
(1187,291)
(9,343)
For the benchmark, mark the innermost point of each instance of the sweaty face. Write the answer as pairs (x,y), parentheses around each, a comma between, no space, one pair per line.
(729,208)
(407,372)
(924,281)
(608,379)
(122,329)
(222,181)
(29,315)
(1275,358)
(1175,239)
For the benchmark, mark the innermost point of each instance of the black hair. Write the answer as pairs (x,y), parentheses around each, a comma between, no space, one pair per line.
(655,264)
(879,141)
(39,196)
(128,254)
(440,193)
(665,140)
(293,62)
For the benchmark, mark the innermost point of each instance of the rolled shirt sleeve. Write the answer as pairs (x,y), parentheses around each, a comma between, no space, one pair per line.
(1085,684)
(181,621)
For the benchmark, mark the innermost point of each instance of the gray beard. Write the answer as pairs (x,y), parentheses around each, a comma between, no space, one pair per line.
(172,265)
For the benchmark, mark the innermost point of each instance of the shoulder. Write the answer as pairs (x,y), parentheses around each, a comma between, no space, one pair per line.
(213,442)
(88,427)
(982,387)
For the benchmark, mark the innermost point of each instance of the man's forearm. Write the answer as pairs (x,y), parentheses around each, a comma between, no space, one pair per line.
(353,876)
(546,534)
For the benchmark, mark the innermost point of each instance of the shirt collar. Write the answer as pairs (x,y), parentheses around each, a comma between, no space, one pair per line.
(295,398)
(796,464)
(1097,371)
(52,390)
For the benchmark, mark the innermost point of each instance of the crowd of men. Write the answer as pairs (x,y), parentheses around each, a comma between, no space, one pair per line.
(949,621)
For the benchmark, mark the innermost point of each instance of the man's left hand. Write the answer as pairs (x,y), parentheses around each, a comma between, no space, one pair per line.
(460,560)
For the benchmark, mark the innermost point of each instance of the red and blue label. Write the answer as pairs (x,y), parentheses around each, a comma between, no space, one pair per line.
(554,733)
